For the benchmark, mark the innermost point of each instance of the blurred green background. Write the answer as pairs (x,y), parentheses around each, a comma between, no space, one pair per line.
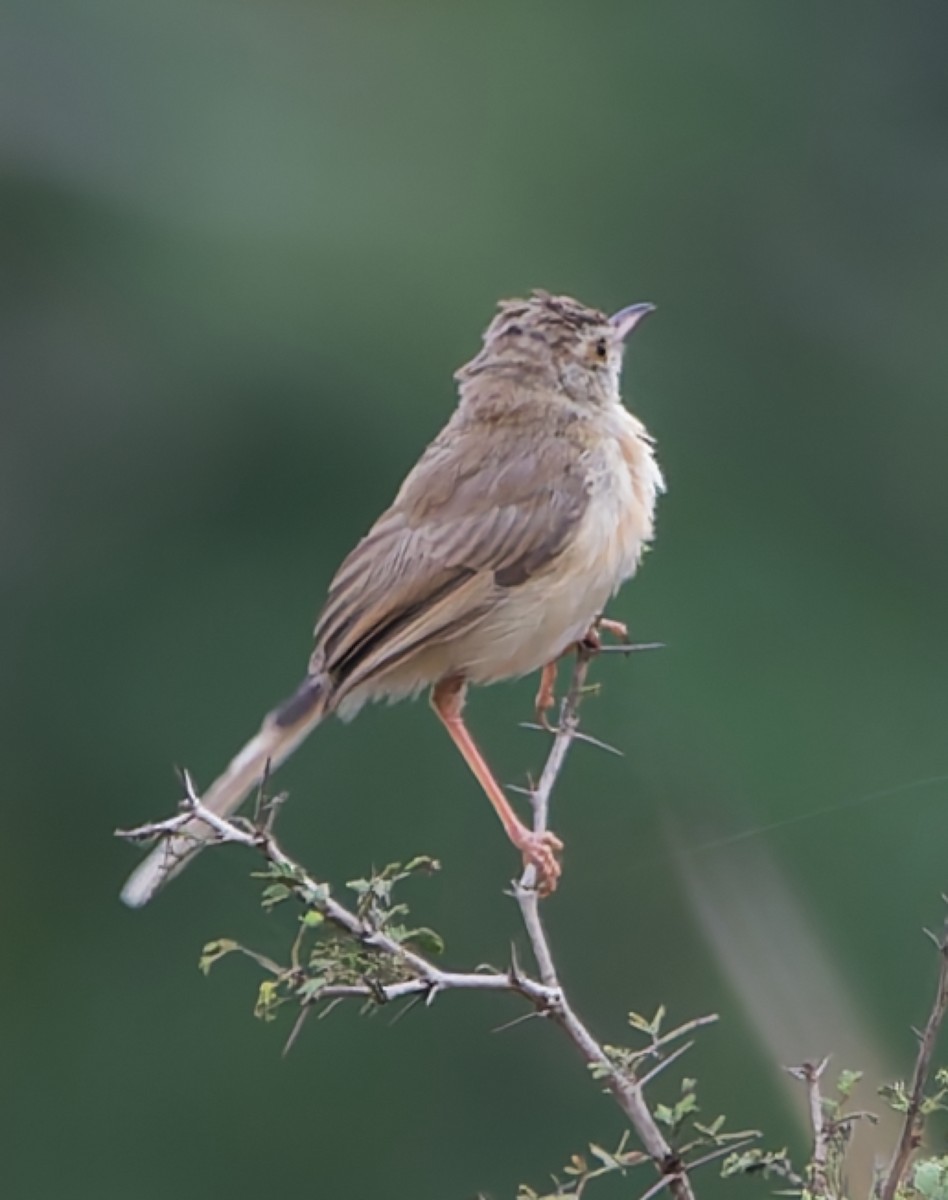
(244,247)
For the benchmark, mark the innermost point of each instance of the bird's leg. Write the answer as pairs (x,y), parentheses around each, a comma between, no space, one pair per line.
(590,643)
(538,849)
(546,695)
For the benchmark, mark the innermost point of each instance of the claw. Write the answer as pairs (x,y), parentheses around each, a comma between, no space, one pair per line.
(592,642)
(618,629)
(539,851)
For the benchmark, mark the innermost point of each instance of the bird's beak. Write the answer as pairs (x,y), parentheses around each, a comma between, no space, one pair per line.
(626,319)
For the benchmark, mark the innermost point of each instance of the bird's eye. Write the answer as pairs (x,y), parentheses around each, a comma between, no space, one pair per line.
(601,348)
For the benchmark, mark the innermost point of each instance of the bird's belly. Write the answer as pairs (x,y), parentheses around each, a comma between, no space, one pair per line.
(538,621)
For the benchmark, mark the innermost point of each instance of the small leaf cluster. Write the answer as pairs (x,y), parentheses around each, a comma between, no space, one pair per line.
(765,1164)
(897,1097)
(657,1050)
(930,1178)
(693,1143)
(376,907)
(838,1124)
(325,959)
(582,1169)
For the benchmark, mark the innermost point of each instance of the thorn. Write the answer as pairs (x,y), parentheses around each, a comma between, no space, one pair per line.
(631,649)
(260,797)
(722,1150)
(334,1003)
(179,774)
(406,1008)
(189,787)
(578,736)
(662,1183)
(666,1062)
(593,741)
(304,1012)
(528,1016)
(514,971)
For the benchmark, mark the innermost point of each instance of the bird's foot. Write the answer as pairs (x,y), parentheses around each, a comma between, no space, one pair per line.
(539,851)
(592,642)
(618,629)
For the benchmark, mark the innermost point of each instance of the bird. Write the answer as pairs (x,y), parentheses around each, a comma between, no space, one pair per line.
(498,555)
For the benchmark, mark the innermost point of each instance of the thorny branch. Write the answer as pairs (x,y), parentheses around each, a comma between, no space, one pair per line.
(426,980)
(626,1091)
(910,1135)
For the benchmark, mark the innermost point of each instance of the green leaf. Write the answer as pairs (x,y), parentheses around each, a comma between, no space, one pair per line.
(653,1027)
(607,1159)
(289,873)
(268,1000)
(756,1161)
(712,1130)
(576,1165)
(214,951)
(656,1026)
(275,894)
(316,896)
(686,1105)
(426,941)
(930,1178)
(311,988)
(896,1096)
(422,862)
(847,1081)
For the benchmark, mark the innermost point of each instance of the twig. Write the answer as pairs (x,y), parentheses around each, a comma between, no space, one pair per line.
(429,979)
(721,1151)
(911,1133)
(811,1073)
(626,1091)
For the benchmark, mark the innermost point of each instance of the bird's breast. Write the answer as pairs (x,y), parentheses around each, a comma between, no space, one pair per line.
(625,481)
(539,620)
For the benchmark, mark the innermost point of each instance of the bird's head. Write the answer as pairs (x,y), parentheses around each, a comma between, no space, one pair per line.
(559,343)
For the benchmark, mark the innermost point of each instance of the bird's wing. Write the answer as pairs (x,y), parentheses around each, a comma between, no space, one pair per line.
(476,515)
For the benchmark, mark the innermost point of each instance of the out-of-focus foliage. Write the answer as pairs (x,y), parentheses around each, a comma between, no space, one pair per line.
(244,246)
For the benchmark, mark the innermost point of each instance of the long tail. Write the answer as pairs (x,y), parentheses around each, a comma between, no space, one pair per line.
(280,734)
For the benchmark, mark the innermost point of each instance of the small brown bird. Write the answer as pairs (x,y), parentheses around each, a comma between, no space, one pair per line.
(498,554)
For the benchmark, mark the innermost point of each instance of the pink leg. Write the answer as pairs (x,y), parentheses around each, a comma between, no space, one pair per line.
(538,849)
(546,695)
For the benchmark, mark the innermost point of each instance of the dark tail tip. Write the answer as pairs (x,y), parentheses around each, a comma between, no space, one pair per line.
(307,696)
